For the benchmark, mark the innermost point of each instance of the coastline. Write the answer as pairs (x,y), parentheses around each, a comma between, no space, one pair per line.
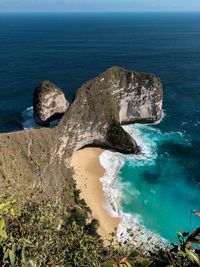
(95,173)
(88,172)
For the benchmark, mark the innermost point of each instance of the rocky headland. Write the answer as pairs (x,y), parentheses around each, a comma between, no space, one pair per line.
(36,161)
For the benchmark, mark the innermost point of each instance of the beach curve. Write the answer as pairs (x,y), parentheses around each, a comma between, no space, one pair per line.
(88,172)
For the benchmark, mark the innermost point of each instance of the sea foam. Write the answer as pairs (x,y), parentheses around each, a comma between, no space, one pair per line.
(28,121)
(130,227)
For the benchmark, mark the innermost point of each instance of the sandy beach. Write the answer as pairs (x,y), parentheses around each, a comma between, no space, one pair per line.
(87,175)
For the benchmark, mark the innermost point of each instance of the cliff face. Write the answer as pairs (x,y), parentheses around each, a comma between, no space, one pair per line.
(101,105)
(49,103)
(36,160)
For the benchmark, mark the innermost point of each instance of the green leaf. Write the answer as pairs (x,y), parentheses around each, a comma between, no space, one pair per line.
(110,263)
(182,253)
(32,263)
(2,224)
(124,263)
(3,233)
(6,254)
(23,255)
(144,262)
(4,206)
(14,247)
(12,211)
(188,244)
(134,254)
(25,242)
(12,257)
(192,256)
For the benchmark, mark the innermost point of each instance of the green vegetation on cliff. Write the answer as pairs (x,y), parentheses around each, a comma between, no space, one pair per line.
(40,233)
(116,135)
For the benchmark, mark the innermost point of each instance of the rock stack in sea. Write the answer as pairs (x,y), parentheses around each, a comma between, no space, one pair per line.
(49,103)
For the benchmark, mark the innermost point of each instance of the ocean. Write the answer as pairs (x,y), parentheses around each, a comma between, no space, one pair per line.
(157,191)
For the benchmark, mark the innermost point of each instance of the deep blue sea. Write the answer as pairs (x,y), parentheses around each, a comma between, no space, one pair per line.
(72,48)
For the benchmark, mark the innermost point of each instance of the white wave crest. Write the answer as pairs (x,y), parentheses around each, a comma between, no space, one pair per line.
(139,236)
(131,229)
(28,121)
(112,163)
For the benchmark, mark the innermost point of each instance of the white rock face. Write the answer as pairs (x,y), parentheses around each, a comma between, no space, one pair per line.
(139,96)
(49,103)
(143,106)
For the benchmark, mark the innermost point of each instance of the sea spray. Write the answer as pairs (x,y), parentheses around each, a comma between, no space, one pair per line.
(28,121)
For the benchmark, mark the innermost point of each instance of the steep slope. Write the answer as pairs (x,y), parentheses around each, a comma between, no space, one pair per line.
(27,168)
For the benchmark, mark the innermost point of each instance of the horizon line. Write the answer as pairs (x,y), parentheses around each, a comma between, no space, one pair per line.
(99,11)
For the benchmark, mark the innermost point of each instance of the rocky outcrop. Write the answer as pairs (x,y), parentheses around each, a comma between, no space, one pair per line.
(49,103)
(101,105)
(36,160)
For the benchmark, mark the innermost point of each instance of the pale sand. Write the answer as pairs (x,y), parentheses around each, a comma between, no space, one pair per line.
(87,175)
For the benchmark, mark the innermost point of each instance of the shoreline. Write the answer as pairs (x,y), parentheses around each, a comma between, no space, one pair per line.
(95,171)
(88,171)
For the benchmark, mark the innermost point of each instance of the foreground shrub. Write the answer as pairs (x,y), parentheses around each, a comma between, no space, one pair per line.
(43,235)
(40,234)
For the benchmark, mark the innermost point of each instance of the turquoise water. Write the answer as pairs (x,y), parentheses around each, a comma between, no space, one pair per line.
(156,187)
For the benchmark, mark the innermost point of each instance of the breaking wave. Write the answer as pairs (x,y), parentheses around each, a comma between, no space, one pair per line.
(120,191)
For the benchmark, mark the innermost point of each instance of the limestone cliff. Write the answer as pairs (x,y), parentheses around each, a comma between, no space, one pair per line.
(49,103)
(37,160)
(101,105)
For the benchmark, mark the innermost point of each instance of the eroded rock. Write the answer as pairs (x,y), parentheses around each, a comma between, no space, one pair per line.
(49,103)
(101,105)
